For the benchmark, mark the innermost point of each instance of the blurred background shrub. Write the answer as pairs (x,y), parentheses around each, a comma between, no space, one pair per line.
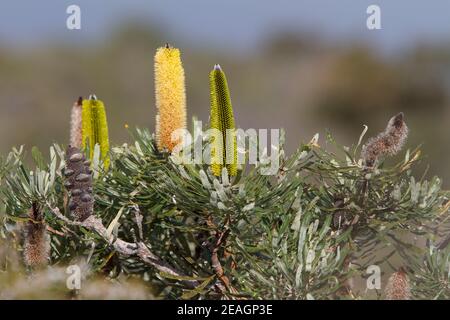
(285,69)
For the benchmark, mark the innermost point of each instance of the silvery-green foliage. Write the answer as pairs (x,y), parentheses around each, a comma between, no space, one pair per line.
(289,236)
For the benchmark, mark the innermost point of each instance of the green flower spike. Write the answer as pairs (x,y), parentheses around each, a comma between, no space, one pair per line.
(95,128)
(222,119)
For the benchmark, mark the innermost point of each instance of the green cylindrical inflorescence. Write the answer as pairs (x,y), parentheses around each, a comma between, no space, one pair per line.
(95,128)
(222,119)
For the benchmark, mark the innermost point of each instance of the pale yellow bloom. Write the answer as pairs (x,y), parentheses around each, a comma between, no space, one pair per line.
(170,96)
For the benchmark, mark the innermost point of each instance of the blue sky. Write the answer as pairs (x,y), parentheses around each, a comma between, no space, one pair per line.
(234,23)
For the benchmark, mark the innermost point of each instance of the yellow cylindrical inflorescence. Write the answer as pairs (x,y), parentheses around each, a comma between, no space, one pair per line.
(170,96)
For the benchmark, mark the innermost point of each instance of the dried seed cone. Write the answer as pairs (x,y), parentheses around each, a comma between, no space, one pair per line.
(170,94)
(387,143)
(398,286)
(222,119)
(76,136)
(36,248)
(79,184)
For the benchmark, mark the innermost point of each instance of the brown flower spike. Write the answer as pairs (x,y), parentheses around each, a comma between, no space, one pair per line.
(398,286)
(76,124)
(36,248)
(79,183)
(387,143)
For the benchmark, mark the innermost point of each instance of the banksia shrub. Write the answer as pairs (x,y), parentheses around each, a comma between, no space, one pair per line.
(398,286)
(95,128)
(79,183)
(387,143)
(304,232)
(170,96)
(76,134)
(223,151)
(36,247)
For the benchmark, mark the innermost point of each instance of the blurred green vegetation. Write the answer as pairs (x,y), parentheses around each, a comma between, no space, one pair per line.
(295,81)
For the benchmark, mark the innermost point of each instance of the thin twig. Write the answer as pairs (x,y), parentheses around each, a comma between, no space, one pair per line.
(214,247)
(444,243)
(51,230)
(139,218)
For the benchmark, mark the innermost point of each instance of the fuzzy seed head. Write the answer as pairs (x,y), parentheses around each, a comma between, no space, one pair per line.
(387,143)
(170,94)
(36,247)
(398,286)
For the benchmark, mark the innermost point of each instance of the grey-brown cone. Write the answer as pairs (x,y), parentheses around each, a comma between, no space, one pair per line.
(79,184)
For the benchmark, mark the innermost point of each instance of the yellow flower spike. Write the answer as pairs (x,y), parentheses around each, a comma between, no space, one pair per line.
(95,128)
(222,119)
(170,95)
